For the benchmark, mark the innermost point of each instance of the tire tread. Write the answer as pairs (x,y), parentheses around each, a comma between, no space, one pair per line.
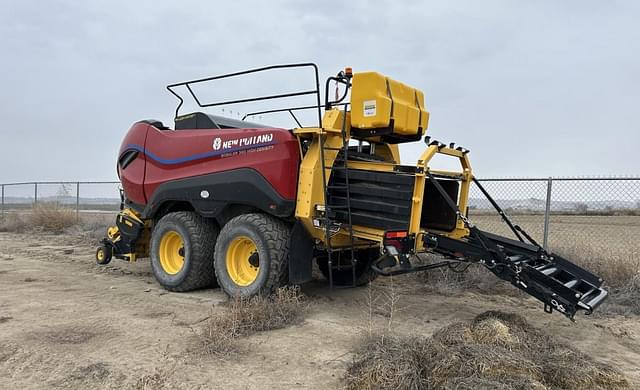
(202,234)
(276,233)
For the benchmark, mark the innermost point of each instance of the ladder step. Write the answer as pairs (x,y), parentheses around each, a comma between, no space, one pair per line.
(337,159)
(346,266)
(331,148)
(334,250)
(337,207)
(335,187)
(335,168)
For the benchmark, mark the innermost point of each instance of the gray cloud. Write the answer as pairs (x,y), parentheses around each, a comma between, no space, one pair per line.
(533,88)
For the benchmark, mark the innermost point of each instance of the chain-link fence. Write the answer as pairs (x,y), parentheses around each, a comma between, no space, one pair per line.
(82,196)
(591,217)
(560,213)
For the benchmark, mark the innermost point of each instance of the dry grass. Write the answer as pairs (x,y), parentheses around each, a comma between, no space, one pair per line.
(445,281)
(624,300)
(250,315)
(13,222)
(493,351)
(49,217)
(161,376)
(52,217)
(617,268)
(158,379)
(387,362)
(91,228)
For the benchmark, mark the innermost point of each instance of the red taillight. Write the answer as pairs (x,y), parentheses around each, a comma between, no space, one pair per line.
(390,235)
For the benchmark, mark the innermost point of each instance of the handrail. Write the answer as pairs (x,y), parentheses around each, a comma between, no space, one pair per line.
(189,83)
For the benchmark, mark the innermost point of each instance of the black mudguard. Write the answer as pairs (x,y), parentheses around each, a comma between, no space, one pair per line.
(210,194)
(301,250)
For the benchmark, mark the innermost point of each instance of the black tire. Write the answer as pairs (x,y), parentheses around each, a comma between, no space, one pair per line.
(104,253)
(270,236)
(344,276)
(199,237)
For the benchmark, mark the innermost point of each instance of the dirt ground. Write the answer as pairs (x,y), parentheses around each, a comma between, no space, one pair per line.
(617,233)
(68,323)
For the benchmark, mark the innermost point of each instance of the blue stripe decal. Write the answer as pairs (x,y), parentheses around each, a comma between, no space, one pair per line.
(193,157)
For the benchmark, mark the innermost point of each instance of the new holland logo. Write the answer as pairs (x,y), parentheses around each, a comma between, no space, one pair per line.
(242,143)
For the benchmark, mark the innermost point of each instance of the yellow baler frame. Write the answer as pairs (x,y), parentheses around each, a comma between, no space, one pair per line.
(310,197)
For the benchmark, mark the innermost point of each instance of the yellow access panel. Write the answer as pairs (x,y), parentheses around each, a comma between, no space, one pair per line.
(380,102)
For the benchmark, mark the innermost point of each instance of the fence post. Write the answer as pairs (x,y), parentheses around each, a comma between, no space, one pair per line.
(77,201)
(35,193)
(2,209)
(547,212)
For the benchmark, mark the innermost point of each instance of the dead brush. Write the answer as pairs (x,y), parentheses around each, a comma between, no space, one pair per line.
(51,217)
(619,268)
(451,281)
(160,377)
(13,222)
(493,351)
(387,362)
(247,316)
(616,267)
(626,299)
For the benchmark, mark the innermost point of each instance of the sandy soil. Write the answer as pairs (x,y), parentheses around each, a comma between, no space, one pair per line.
(68,323)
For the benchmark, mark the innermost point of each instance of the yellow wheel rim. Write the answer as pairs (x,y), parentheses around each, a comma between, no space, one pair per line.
(171,252)
(100,254)
(242,261)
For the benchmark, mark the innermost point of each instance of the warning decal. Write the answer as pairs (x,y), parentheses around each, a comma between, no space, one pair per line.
(369,108)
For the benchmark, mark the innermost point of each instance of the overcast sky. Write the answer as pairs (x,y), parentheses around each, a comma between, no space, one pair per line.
(533,88)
